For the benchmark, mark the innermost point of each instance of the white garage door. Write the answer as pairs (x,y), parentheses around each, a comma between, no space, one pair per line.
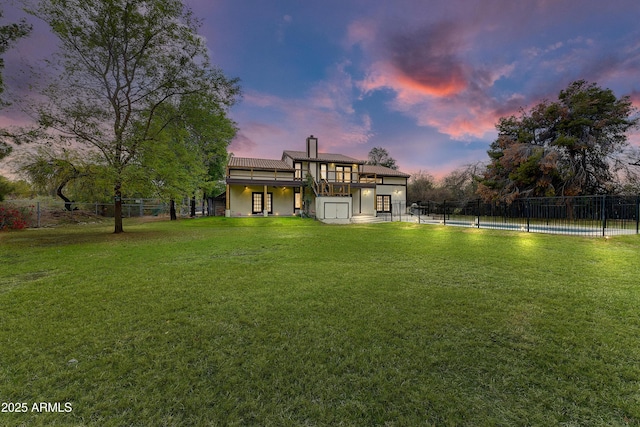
(336,210)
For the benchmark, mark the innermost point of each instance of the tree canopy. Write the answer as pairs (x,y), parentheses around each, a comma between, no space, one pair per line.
(573,146)
(380,156)
(9,33)
(459,184)
(124,68)
(193,152)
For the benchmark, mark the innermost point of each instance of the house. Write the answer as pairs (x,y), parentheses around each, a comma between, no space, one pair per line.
(330,187)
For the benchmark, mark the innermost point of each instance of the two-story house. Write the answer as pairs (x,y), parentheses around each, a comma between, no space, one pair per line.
(331,187)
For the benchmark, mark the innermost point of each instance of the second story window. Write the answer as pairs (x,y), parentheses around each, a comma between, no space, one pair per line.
(323,171)
(343,173)
(298,167)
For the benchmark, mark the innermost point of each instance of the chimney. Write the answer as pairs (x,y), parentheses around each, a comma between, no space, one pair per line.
(312,147)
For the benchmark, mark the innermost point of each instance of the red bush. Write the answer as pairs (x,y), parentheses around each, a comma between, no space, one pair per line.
(13,219)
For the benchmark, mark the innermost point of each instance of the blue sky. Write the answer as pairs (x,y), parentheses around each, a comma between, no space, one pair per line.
(427,80)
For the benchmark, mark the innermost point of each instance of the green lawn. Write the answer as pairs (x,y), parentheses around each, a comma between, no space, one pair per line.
(287,321)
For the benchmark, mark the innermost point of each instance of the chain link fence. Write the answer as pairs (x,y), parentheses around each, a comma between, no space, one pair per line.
(44,212)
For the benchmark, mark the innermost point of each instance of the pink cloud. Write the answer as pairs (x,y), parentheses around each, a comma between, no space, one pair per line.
(360,32)
(635,98)
(334,93)
(325,111)
(461,111)
(455,68)
(427,60)
(432,78)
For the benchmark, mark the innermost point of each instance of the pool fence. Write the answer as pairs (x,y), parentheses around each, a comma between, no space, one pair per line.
(601,215)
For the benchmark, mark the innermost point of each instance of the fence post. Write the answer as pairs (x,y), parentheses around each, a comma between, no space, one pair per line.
(604,214)
(444,212)
(637,214)
(478,223)
(528,208)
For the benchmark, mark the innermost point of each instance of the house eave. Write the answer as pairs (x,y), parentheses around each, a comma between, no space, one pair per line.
(267,182)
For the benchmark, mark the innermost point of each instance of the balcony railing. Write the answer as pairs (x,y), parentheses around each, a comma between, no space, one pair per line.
(329,177)
(343,177)
(331,189)
(260,174)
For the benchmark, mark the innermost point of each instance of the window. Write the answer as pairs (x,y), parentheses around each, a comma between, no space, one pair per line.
(297,199)
(370,180)
(257,204)
(383,203)
(269,200)
(343,173)
(298,167)
(323,171)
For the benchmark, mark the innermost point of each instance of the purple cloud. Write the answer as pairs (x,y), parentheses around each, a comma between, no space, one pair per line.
(427,59)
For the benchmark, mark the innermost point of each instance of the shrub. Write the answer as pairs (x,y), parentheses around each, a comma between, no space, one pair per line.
(13,218)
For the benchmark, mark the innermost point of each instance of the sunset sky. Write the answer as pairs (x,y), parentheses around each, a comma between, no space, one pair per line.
(427,80)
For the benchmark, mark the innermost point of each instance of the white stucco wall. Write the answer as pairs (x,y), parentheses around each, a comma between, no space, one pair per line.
(367,204)
(398,195)
(241,200)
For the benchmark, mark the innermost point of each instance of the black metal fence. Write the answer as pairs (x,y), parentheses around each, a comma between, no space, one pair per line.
(603,215)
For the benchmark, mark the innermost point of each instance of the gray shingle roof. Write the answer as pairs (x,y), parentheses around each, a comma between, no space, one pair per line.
(383,170)
(322,157)
(251,163)
(270,164)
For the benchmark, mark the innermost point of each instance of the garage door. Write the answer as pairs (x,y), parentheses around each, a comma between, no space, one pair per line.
(334,210)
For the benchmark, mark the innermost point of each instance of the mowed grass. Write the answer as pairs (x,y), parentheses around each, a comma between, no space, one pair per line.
(289,322)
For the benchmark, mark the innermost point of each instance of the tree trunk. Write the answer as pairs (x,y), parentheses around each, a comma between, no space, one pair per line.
(67,202)
(172,210)
(210,207)
(193,206)
(117,208)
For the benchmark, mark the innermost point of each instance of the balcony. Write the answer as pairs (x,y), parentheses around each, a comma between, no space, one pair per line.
(340,183)
(338,177)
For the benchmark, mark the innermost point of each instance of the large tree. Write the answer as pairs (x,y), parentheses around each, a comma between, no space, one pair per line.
(9,33)
(121,62)
(191,157)
(421,187)
(573,146)
(380,156)
(459,184)
(66,174)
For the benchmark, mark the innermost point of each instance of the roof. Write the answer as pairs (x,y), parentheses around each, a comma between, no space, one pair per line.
(383,170)
(251,163)
(322,157)
(270,164)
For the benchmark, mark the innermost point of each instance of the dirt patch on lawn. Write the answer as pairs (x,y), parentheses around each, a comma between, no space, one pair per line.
(57,217)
